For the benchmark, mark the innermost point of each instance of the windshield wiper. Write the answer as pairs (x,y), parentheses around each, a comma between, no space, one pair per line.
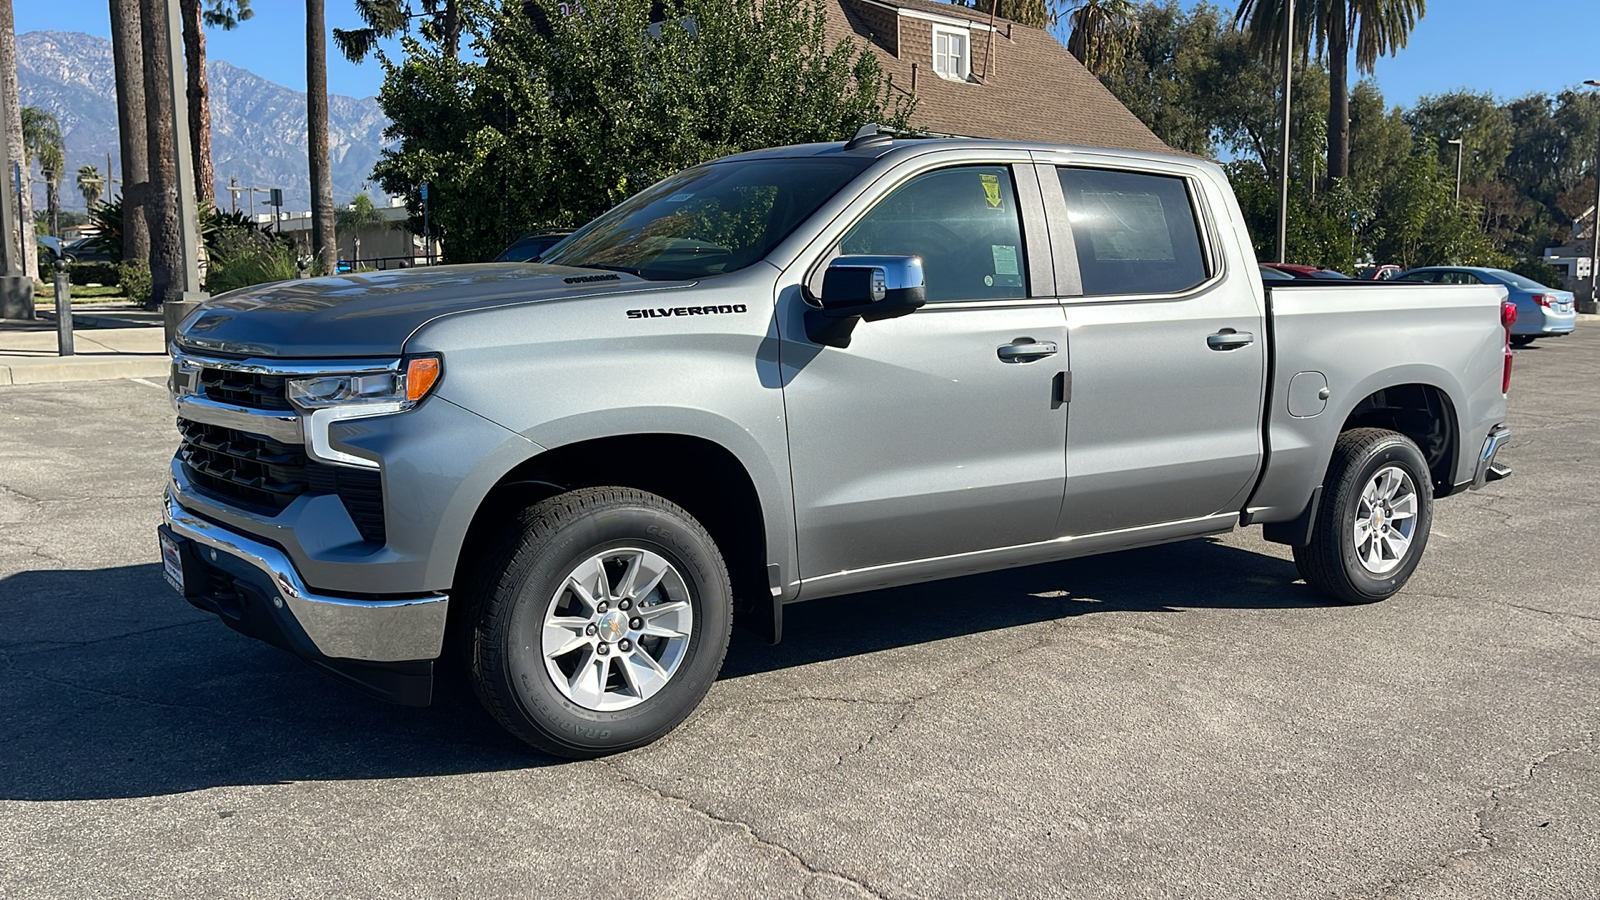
(628,270)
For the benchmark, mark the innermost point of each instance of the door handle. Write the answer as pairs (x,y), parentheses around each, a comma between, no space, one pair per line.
(1026,350)
(1228,339)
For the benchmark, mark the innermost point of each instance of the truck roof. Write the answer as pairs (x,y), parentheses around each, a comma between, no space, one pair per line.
(884,144)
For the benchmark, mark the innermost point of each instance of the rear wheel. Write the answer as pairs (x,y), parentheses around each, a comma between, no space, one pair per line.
(1521,340)
(1373,524)
(607,625)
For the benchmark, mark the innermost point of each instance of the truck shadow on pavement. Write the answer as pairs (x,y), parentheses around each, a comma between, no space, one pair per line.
(113,687)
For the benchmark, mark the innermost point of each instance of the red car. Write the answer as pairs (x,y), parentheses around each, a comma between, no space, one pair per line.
(1307,271)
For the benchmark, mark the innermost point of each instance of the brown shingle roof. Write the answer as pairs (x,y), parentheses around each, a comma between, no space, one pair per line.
(1029,88)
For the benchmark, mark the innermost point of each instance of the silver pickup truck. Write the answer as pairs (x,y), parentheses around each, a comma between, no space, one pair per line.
(792,374)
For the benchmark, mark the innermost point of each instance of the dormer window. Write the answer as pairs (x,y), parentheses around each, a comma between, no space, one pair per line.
(951,58)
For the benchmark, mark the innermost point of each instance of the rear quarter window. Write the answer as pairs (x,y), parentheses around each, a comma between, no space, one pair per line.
(1136,233)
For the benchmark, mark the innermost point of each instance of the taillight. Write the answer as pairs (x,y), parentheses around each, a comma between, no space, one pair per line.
(1544,300)
(1508,317)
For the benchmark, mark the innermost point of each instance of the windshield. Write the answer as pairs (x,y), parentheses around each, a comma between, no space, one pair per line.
(1515,280)
(707,220)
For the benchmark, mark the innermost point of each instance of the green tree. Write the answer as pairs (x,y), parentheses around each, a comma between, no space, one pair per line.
(552,120)
(358,216)
(1033,13)
(42,144)
(1375,27)
(90,185)
(441,24)
(1101,33)
(1477,120)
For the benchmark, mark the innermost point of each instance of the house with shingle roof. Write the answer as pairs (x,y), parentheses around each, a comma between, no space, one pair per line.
(978,76)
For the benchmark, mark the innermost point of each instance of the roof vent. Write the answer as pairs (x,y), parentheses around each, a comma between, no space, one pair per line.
(869,136)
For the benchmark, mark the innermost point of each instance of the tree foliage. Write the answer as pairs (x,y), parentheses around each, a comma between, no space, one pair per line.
(551,120)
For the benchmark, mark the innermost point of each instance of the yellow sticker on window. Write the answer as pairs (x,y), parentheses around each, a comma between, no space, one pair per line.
(991,189)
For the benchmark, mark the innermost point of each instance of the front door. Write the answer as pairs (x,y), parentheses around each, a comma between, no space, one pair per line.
(926,437)
(1168,356)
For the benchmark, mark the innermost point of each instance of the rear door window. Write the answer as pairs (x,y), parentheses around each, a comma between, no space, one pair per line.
(1136,233)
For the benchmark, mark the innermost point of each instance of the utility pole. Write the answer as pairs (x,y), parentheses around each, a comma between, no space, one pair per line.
(1594,229)
(1283,161)
(1459,147)
(233,194)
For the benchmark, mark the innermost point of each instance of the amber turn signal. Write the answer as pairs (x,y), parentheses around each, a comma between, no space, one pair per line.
(421,373)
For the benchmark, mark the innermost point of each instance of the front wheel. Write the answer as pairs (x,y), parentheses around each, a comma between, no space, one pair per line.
(607,624)
(1373,524)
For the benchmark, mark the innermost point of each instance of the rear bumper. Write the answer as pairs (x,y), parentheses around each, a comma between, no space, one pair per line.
(1488,470)
(384,646)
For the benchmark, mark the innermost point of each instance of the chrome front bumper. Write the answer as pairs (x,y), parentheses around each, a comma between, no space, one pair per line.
(379,631)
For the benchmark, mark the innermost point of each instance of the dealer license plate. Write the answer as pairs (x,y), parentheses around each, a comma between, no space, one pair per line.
(171,562)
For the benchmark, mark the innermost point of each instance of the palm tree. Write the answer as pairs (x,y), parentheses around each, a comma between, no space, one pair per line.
(323,249)
(224,14)
(12,130)
(1379,28)
(42,144)
(161,200)
(90,184)
(127,58)
(361,214)
(1102,30)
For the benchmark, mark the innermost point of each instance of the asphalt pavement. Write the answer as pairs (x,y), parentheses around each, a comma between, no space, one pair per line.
(1187,721)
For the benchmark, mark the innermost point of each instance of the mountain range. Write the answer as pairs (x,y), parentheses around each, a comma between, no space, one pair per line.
(258,128)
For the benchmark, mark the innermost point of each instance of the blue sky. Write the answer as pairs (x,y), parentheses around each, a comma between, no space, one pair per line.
(1510,50)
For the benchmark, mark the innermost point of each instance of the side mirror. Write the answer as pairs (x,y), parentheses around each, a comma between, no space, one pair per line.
(869,288)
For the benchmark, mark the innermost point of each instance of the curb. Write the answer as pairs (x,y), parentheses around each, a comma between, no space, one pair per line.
(56,371)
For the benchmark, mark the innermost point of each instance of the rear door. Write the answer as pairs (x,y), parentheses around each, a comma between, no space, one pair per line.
(1168,349)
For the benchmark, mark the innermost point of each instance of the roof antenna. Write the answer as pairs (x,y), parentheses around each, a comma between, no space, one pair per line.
(868,135)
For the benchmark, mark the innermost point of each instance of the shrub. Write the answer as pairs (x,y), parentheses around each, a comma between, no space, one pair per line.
(135,279)
(241,259)
(94,273)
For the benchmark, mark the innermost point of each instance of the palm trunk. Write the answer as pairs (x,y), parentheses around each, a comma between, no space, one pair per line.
(13,138)
(161,201)
(52,205)
(323,249)
(452,27)
(194,54)
(127,50)
(1338,92)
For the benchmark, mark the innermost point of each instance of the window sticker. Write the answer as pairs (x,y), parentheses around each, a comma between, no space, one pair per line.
(1005,259)
(679,198)
(991,189)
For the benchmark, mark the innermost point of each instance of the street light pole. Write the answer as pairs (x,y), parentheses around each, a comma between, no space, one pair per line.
(1283,160)
(1457,142)
(1594,229)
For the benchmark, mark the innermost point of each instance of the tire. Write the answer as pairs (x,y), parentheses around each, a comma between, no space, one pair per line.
(1338,563)
(626,681)
(1521,340)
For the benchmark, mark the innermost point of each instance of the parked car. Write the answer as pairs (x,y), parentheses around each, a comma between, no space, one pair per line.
(49,247)
(792,374)
(86,249)
(1272,273)
(532,245)
(1299,271)
(1541,311)
(1379,273)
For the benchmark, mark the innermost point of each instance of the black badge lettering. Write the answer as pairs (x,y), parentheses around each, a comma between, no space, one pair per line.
(585,279)
(663,313)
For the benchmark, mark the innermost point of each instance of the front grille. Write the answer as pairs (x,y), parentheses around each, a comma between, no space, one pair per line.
(247,389)
(263,476)
(249,470)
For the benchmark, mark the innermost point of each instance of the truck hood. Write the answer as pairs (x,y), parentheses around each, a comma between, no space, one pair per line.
(373,313)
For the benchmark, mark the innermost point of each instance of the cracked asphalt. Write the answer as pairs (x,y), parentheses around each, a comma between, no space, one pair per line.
(1184,721)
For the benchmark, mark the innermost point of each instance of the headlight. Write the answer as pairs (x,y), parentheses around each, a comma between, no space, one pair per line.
(398,390)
